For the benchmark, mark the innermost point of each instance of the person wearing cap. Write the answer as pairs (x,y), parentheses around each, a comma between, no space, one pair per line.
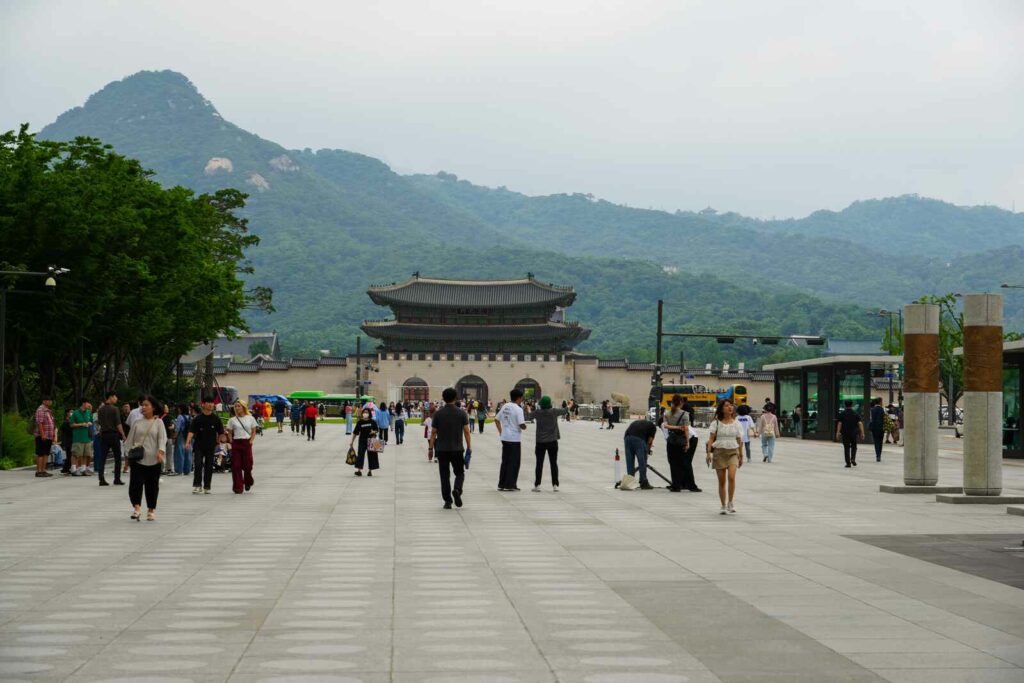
(546,418)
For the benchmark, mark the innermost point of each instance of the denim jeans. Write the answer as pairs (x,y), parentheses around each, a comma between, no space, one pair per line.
(182,456)
(348,423)
(768,446)
(636,450)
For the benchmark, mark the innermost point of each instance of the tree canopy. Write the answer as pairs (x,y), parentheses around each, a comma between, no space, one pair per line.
(152,271)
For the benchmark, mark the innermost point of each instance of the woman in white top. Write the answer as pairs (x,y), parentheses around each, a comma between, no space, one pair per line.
(242,428)
(147,433)
(768,426)
(747,424)
(725,445)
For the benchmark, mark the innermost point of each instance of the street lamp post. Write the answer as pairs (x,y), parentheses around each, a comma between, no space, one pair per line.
(51,275)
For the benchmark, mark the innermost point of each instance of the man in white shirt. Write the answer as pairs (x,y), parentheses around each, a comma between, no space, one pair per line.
(511,424)
(136,413)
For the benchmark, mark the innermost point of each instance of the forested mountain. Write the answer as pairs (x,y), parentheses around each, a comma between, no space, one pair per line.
(332,222)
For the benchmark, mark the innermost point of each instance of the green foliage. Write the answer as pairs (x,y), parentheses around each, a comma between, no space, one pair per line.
(259,347)
(152,270)
(19,445)
(951,337)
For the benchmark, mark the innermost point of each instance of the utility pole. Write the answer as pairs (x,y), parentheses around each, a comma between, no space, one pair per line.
(661,306)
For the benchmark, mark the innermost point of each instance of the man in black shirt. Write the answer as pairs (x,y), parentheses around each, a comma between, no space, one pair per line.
(202,436)
(447,429)
(111,436)
(639,438)
(850,428)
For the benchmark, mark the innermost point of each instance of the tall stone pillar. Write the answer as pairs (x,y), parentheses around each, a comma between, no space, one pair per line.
(921,395)
(983,394)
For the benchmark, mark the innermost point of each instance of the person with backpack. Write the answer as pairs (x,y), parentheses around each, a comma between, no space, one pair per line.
(295,417)
(676,422)
(768,426)
(279,407)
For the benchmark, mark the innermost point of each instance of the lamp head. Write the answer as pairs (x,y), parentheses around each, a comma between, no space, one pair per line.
(50,282)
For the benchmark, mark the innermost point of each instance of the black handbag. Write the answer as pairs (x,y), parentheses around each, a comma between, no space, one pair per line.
(137,453)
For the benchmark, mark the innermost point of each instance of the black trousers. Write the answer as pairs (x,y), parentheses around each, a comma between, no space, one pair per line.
(551,448)
(384,434)
(144,477)
(508,475)
(363,454)
(295,424)
(877,435)
(399,431)
(452,460)
(109,441)
(850,448)
(676,457)
(202,467)
(310,428)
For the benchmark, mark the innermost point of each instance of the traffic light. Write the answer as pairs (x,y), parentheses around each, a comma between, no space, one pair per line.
(656,376)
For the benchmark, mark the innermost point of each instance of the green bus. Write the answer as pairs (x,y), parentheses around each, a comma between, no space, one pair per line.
(332,402)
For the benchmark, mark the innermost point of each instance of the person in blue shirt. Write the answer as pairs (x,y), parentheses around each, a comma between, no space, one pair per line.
(383,420)
(296,417)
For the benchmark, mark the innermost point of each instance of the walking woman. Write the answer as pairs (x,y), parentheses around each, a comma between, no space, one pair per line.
(548,435)
(149,434)
(399,423)
(481,415)
(428,420)
(365,430)
(768,427)
(383,418)
(725,451)
(876,424)
(747,425)
(242,428)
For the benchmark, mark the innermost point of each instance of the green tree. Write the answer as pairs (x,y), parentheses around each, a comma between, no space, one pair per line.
(152,270)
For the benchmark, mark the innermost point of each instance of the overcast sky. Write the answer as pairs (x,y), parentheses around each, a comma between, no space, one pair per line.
(770,108)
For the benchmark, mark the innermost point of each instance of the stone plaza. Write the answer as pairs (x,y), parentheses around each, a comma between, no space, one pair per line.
(317,575)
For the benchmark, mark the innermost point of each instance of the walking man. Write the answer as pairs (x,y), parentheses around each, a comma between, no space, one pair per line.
(447,431)
(279,408)
(203,435)
(511,424)
(296,417)
(111,436)
(310,422)
(849,428)
(877,426)
(44,433)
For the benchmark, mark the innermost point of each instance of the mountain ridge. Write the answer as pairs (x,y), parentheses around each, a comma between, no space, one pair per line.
(333,221)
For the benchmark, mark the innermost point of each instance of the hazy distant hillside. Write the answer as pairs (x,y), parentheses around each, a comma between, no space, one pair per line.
(334,221)
(907,224)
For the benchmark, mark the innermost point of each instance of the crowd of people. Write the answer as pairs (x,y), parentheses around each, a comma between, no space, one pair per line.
(150,440)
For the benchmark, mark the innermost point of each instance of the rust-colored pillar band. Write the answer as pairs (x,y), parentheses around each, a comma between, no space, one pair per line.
(922,375)
(983,358)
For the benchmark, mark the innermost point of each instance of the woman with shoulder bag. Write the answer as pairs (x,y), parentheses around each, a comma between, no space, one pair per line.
(725,451)
(146,443)
(242,428)
(680,461)
(366,431)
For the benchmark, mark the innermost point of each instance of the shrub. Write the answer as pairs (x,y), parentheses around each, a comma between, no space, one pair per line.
(19,446)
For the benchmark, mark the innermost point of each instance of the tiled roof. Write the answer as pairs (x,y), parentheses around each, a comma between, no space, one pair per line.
(304,362)
(549,330)
(421,291)
(274,365)
(243,367)
(333,360)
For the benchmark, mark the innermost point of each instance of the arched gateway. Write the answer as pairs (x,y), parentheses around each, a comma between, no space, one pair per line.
(530,388)
(473,388)
(415,389)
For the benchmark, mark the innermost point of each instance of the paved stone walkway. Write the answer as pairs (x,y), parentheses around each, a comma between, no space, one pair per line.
(320,576)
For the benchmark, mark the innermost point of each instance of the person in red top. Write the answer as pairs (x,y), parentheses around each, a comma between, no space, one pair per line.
(45,432)
(310,416)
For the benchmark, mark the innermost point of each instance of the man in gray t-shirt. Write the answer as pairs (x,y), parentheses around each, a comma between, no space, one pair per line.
(448,427)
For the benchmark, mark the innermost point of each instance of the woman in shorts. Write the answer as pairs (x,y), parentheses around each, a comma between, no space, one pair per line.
(724,451)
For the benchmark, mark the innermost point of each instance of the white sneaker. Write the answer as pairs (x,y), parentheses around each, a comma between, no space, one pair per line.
(536,489)
(732,509)
(197,489)
(207,491)
(724,510)
(555,489)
